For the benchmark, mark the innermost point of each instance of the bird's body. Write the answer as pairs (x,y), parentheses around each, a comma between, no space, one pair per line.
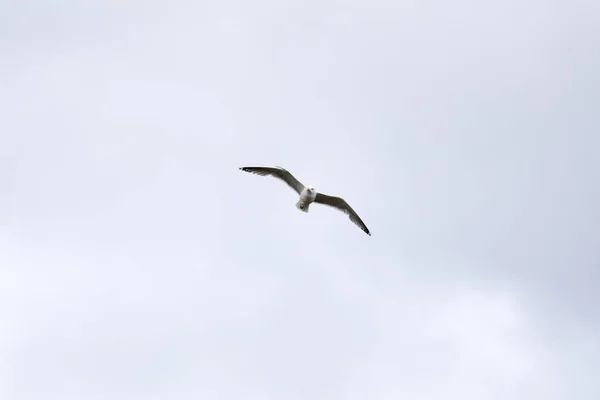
(308,194)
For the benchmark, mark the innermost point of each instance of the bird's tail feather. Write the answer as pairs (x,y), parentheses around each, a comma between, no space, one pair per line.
(302,207)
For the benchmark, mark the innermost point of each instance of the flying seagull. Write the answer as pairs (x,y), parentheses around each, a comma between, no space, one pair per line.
(308,194)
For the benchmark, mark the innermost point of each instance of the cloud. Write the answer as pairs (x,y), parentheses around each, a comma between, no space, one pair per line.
(136,261)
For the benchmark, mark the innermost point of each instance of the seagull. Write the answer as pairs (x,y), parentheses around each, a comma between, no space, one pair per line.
(308,194)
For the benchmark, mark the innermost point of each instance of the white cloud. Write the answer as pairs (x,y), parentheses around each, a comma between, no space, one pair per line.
(137,262)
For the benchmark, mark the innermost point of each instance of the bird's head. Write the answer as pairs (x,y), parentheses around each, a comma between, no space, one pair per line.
(310,189)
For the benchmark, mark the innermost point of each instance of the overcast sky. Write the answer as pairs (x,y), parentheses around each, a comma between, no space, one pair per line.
(138,262)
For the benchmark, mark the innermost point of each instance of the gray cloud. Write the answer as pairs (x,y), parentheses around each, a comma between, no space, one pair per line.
(137,262)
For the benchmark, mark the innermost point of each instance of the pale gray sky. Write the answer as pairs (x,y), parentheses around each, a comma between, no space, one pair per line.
(138,262)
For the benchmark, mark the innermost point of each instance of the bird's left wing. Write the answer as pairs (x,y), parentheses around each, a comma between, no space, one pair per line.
(341,205)
(278,172)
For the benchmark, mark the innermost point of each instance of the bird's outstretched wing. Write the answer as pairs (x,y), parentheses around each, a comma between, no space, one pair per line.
(277,172)
(344,207)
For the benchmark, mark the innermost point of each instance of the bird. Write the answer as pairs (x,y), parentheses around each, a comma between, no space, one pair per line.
(308,194)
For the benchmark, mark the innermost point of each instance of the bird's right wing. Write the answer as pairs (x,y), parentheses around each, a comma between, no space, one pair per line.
(278,172)
(343,206)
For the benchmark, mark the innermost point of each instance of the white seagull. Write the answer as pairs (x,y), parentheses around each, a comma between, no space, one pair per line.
(308,194)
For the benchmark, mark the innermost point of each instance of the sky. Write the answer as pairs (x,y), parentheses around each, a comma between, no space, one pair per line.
(138,262)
